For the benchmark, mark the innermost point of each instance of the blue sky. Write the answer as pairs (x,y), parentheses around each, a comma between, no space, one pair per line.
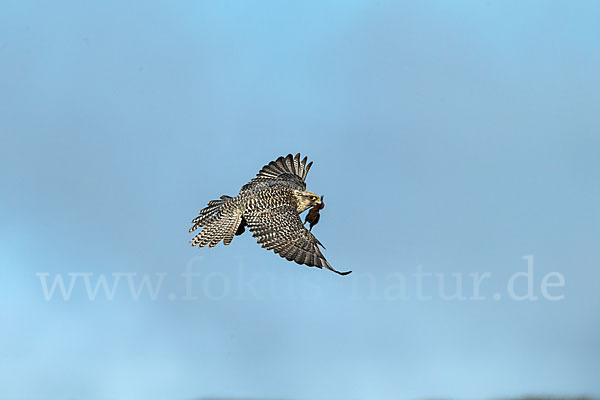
(448,138)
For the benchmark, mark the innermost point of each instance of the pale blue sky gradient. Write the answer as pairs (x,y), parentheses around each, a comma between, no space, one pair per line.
(456,136)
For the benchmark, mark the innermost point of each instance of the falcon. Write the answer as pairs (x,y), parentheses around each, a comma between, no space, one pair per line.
(270,206)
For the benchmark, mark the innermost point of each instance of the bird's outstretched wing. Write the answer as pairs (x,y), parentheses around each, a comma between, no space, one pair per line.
(289,171)
(280,229)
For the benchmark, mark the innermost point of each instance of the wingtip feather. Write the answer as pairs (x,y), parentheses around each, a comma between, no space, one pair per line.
(306,170)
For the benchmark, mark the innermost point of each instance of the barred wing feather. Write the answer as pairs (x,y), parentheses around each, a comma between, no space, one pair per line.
(280,229)
(289,169)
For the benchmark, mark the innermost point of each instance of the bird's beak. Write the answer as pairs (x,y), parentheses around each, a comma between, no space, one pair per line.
(319,201)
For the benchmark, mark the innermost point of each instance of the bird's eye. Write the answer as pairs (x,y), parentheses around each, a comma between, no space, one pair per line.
(313,197)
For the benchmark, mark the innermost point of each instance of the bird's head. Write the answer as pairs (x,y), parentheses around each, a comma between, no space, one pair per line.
(306,200)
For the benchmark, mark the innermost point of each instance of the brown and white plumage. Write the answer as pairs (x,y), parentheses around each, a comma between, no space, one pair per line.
(269,205)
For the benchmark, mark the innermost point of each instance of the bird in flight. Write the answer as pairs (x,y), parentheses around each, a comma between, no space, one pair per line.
(270,206)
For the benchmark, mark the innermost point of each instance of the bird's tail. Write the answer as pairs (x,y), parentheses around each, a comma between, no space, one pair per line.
(220,220)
